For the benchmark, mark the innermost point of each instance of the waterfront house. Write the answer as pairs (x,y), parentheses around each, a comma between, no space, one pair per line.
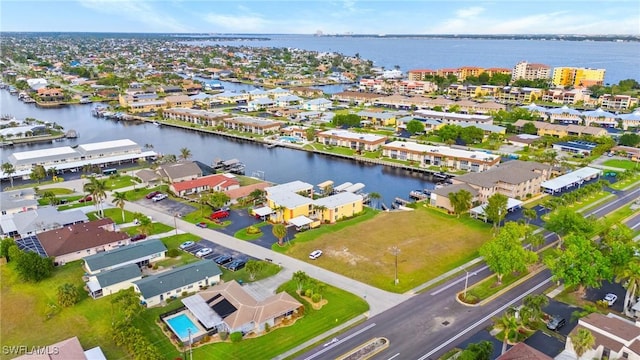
(278,92)
(258,94)
(74,242)
(63,350)
(28,223)
(156,289)
(140,254)
(230,308)
(454,118)
(319,104)
(378,118)
(600,118)
(214,182)
(252,125)
(109,282)
(336,207)
(228,97)
(179,101)
(439,197)
(170,89)
(352,140)
(355,97)
(180,171)
(515,179)
(429,155)
(295,130)
(616,338)
(47,95)
(12,202)
(197,117)
(288,205)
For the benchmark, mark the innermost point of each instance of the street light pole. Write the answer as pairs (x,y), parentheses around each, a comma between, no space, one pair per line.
(395,250)
(466,283)
(175,222)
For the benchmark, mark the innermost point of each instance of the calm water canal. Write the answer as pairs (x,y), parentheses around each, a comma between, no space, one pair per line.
(278,164)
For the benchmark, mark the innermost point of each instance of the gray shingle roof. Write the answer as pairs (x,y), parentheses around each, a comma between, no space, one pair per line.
(124,254)
(511,172)
(24,198)
(170,280)
(118,275)
(445,191)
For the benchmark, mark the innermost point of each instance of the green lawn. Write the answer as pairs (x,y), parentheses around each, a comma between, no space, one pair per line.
(490,286)
(24,305)
(156,228)
(621,164)
(140,193)
(55,191)
(269,269)
(431,243)
(120,181)
(623,184)
(243,235)
(115,214)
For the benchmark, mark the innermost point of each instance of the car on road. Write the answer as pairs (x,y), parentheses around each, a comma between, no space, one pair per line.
(610,299)
(223,259)
(159,197)
(203,225)
(203,252)
(220,214)
(186,244)
(152,194)
(138,237)
(315,254)
(85,199)
(236,265)
(556,322)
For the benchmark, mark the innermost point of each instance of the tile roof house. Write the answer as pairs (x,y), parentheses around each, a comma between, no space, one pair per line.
(180,171)
(522,351)
(65,350)
(77,241)
(158,288)
(228,307)
(616,338)
(214,182)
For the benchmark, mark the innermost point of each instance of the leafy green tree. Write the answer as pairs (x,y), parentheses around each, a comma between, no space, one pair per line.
(301,278)
(311,134)
(529,128)
(38,173)
(477,351)
(415,126)
(218,199)
(253,267)
(504,253)
(349,120)
(580,264)
(509,326)
(629,139)
(461,201)
(449,132)
(564,221)
(471,135)
(535,303)
(496,209)
(119,199)
(9,170)
(32,267)
(5,244)
(529,215)
(67,295)
(279,231)
(51,197)
(582,341)
(629,275)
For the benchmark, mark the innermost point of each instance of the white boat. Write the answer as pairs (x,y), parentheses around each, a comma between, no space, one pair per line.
(156,123)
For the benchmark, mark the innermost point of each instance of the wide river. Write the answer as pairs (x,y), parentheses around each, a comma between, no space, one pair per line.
(277,165)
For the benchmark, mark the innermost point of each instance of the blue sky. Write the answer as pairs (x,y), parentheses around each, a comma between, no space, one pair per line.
(330,17)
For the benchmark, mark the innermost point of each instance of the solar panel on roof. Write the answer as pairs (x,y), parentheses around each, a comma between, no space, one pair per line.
(213,298)
(224,308)
(32,244)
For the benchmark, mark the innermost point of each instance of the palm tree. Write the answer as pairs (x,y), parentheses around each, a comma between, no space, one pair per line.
(582,341)
(119,199)
(529,215)
(279,231)
(631,274)
(461,201)
(535,303)
(375,196)
(97,189)
(185,154)
(8,169)
(52,171)
(508,324)
(144,223)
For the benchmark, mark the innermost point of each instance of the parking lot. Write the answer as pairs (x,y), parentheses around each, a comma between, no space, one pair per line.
(217,251)
(168,206)
(608,287)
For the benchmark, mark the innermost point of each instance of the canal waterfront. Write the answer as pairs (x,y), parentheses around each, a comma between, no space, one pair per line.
(277,164)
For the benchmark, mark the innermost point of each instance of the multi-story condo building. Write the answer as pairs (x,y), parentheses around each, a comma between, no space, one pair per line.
(561,96)
(527,71)
(198,117)
(617,102)
(356,141)
(519,95)
(427,155)
(420,74)
(600,118)
(454,118)
(572,76)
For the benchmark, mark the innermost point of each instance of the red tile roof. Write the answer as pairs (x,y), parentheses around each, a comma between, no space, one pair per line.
(522,351)
(212,181)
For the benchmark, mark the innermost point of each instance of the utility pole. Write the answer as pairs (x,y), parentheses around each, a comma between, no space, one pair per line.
(395,250)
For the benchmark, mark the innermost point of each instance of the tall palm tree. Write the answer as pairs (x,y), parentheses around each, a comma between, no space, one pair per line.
(9,170)
(630,274)
(582,341)
(280,232)
(185,154)
(508,324)
(98,189)
(461,201)
(535,303)
(119,199)
(375,196)
(529,215)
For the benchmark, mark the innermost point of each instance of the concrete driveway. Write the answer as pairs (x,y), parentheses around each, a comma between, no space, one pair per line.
(563,310)
(545,343)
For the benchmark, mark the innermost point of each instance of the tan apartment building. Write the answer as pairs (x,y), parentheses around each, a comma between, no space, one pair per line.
(354,97)
(198,117)
(429,155)
(519,95)
(252,125)
(352,140)
(179,101)
(528,71)
(420,74)
(455,118)
(560,131)
(617,102)
(561,96)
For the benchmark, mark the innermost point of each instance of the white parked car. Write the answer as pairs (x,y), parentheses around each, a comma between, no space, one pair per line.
(203,252)
(159,197)
(315,254)
(610,298)
(186,244)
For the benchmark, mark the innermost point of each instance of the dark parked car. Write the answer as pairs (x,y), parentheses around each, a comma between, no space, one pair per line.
(236,265)
(152,194)
(138,237)
(222,259)
(556,322)
(85,199)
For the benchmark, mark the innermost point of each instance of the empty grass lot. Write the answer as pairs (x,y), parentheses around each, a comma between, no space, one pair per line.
(621,164)
(430,242)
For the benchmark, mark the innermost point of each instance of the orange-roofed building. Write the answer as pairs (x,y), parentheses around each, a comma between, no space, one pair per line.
(215,182)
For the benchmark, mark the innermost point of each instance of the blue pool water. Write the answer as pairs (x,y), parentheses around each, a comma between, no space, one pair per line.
(291,139)
(181,325)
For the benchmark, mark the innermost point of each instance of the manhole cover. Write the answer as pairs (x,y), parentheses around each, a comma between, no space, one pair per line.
(445,323)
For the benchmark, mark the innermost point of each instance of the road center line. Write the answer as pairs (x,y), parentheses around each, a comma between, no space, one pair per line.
(454,283)
(500,309)
(394,356)
(322,351)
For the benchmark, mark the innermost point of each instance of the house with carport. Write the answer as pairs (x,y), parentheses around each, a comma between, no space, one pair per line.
(156,289)
(140,254)
(180,171)
(600,118)
(336,207)
(319,104)
(378,118)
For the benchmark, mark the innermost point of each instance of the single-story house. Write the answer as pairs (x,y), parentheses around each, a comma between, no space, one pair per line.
(156,289)
(75,242)
(214,182)
(180,171)
(522,140)
(29,223)
(63,350)
(111,281)
(616,338)
(16,201)
(522,351)
(141,254)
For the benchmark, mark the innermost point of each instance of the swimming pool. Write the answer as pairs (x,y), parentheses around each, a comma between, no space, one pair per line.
(291,139)
(181,324)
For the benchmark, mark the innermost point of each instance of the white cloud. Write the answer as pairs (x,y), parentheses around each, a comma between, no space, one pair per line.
(137,10)
(237,23)
(470,12)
